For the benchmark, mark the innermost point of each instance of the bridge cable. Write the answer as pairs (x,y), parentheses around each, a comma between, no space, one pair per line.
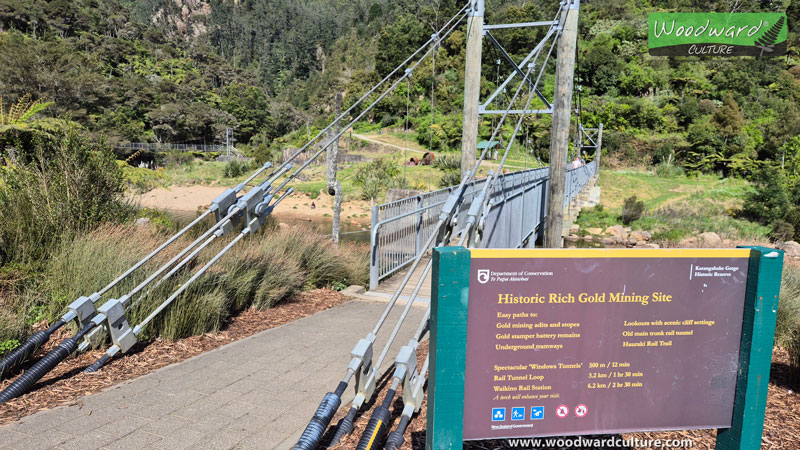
(375,432)
(268,193)
(84,305)
(364,347)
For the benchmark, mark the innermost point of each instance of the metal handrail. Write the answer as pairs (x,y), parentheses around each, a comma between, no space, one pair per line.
(406,222)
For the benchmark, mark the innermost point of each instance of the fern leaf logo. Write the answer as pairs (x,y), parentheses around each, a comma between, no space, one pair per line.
(768,40)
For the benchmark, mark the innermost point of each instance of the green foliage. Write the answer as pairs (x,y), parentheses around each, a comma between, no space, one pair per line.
(376,176)
(236,167)
(669,170)
(450,178)
(397,41)
(787,323)
(775,201)
(632,209)
(8,345)
(447,162)
(260,272)
(20,113)
(58,185)
(141,179)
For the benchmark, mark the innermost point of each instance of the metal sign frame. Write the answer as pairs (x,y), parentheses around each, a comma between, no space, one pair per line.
(450,297)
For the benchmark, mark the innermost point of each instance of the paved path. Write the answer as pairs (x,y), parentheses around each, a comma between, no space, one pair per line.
(255,393)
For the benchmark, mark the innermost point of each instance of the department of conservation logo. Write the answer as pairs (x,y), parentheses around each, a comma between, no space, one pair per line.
(483,276)
(717,34)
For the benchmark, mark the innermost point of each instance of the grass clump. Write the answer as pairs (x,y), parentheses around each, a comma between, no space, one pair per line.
(787,325)
(259,272)
(236,168)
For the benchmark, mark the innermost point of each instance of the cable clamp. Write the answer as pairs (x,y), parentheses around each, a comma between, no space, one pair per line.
(116,322)
(366,375)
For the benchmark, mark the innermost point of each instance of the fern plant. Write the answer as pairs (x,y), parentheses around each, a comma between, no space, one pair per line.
(20,113)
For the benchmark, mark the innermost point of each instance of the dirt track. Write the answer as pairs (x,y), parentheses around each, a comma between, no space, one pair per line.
(299,206)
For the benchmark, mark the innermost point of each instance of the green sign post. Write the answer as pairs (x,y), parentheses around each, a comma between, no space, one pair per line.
(736,289)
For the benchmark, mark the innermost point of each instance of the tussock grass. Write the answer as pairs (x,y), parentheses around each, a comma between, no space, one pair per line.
(259,272)
(787,327)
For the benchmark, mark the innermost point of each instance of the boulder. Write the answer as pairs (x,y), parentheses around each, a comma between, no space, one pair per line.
(572,238)
(790,248)
(637,236)
(594,231)
(643,244)
(709,238)
(617,233)
(142,222)
(574,229)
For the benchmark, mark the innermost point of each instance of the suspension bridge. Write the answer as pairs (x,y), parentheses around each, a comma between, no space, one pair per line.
(262,391)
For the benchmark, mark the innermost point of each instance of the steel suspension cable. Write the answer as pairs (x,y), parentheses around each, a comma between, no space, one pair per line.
(458,16)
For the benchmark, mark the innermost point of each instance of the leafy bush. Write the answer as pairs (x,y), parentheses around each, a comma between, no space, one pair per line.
(775,201)
(141,179)
(448,162)
(177,158)
(377,175)
(450,179)
(632,209)
(235,168)
(669,170)
(66,184)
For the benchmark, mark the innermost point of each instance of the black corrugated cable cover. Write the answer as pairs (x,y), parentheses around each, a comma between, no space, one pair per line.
(22,384)
(315,429)
(345,426)
(378,425)
(396,438)
(98,364)
(24,351)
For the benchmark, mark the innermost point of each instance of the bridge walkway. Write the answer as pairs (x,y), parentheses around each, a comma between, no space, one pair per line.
(257,393)
(387,287)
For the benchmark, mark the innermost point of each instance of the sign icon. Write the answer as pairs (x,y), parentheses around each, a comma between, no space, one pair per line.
(483,276)
(581,410)
(562,411)
(537,412)
(518,413)
(498,414)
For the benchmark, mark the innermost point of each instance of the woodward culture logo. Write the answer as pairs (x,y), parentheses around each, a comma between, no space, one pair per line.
(717,34)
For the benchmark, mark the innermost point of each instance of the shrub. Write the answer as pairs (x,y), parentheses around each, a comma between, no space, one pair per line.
(375,176)
(775,201)
(177,158)
(450,179)
(669,170)
(632,209)
(448,162)
(235,168)
(67,184)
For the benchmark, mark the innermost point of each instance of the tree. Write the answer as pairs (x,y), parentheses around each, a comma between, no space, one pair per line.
(397,41)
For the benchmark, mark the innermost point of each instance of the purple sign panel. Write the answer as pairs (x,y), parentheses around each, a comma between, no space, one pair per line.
(569,342)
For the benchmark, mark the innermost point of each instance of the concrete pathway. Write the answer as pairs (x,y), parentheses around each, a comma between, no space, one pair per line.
(256,393)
